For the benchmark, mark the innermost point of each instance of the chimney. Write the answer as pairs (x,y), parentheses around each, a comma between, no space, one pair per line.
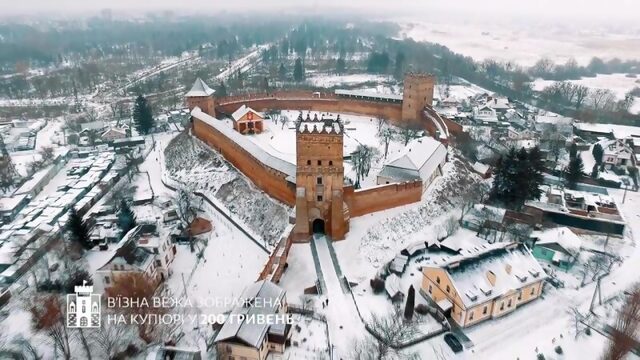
(507,268)
(491,277)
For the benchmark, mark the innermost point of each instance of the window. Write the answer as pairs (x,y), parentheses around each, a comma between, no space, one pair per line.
(484,311)
(158,263)
(330,162)
(107,280)
(319,162)
(509,303)
(520,296)
(319,180)
(448,288)
(438,279)
(429,289)
(319,198)
(533,291)
(471,316)
(308,162)
(502,306)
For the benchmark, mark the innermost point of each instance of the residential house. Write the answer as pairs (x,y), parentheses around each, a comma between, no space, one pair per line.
(11,206)
(618,153)
(139,251)
(485,115)
(422,159)
(484,285)
(558,246)
(247,121)
(242,339)
(113,134)
(499,104)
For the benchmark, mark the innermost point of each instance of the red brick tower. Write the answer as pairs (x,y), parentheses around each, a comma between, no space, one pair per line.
(201,96)
(418,93)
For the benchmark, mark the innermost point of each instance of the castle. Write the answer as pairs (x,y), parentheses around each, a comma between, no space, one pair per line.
(315,184)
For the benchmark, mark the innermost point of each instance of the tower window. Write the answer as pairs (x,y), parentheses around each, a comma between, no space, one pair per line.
(308,162)
(319,162)
(330,162)
(319,180)
(319,198)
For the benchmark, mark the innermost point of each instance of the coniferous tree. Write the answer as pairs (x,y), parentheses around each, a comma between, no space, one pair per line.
(298,71)
(7,168)
(341,66)
(518,176)
(409,306)
(221,91)
(574,172)
(573,151)
(535,174)
(594,171)
(126,218)
(282,72)
(78,230)
(143,116)
(597,152)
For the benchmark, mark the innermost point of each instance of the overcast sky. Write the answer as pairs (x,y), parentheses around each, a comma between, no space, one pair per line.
(600,11)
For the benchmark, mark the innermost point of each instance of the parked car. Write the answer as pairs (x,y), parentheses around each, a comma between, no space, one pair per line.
(453,342)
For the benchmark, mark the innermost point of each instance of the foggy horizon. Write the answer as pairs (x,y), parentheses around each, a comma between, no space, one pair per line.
(500,10)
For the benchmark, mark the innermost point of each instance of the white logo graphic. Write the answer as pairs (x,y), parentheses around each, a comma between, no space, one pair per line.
(83,308)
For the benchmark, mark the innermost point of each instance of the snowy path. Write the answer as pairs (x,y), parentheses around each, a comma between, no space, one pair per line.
(344,324)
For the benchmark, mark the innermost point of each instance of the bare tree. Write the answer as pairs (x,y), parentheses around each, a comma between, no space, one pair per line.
(48,316)
(380,123)
(186,209)
(111,338)
(362,159)
(139,288)
(407,134)
(626,328)
(602,99)
(582,93)
(386,135)
(473,195)
(390,332)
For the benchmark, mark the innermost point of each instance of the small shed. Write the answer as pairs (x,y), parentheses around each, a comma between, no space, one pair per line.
(398,264)
(392,288)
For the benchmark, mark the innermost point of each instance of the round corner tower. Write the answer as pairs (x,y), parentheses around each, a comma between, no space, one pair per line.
(417,94)
(320,206)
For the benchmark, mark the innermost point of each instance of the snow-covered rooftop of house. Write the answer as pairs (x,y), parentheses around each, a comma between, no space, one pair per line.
(513,265)
(499,103)
(392,285)
(258,152)
(619,131)
(420,152)
(562,236)
(10,203)
(369,94)
(480,167)
(242,111)
(199,88)
(553,119)
(267,297)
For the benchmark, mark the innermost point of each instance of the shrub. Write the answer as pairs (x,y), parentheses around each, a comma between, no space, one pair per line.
(377,284)
(558,350)
(541,356)
(588,331)
(619,170)
(422,309)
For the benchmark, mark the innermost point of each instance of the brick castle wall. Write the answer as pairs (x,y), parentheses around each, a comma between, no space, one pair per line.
(308,101)
(366,201)
(269,180)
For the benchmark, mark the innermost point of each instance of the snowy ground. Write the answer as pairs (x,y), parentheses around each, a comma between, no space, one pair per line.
(280,141)
(310,341)
(196,166)
(327,81)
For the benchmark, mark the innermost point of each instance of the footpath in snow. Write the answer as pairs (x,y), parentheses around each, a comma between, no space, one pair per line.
(344,324)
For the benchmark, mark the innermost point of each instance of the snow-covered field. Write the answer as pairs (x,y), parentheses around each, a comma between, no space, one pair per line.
(524,46)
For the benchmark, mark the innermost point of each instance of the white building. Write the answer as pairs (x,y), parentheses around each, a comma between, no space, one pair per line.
(485,114)
(618,153)
(422,159)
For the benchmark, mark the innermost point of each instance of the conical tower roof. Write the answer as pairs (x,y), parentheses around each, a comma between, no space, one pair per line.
(199,88)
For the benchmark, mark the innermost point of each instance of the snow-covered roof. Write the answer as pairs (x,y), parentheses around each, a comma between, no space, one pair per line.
(256,151)
(480,167)
(199,88)
(369,94)
(421,152)
(267,297)
(562,236)
(392,285)
(242,111)
(93,125)
(10,203)
(513,265)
